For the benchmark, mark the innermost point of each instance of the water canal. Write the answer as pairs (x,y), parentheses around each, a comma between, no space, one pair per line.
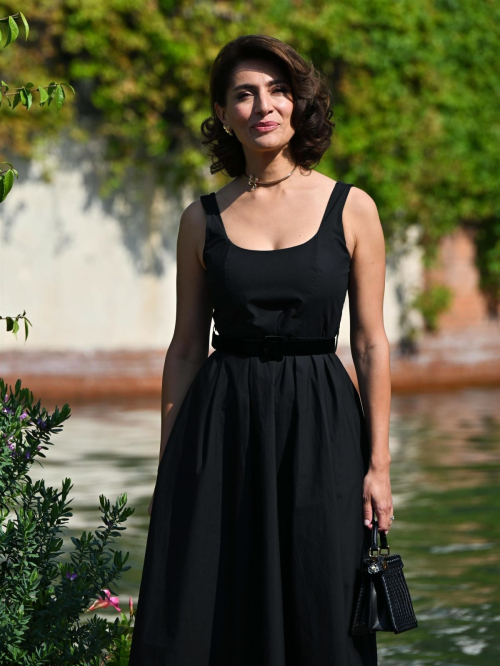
(445,471)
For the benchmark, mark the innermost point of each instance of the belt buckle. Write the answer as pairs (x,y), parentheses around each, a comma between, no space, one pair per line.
(273,347)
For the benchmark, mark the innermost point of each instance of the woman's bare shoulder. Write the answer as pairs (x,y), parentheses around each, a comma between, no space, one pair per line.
(193,222)
(193,215)
(192,231)
(361,220)
(360,203)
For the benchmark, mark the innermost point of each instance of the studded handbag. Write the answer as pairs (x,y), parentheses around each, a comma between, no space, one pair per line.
(382,599)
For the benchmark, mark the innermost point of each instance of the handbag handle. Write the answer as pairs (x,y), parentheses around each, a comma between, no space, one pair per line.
(374,541)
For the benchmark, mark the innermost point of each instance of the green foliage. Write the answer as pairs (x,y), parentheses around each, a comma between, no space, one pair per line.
(488,260)
(12,323)
(432,302)
(415,89)
(43,592)
(23,96)
(119,652)
(7,180)
(11,29)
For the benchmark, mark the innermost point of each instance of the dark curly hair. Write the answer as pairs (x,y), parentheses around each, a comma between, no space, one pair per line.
(311,111)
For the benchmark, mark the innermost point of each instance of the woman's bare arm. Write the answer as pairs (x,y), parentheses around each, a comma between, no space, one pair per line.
(190,341)
(370,346)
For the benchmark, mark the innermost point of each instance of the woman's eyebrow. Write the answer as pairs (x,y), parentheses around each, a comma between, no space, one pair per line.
(251,85)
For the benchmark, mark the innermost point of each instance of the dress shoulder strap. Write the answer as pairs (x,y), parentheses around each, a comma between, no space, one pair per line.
(333,227)
(340,195)
(214,222)
(208,203)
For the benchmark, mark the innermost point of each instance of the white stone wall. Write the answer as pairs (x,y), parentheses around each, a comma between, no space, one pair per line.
(95,275)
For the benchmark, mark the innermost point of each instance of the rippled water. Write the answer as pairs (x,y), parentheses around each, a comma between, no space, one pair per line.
(445,451)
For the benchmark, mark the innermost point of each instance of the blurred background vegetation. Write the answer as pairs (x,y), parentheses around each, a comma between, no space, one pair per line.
(415,90)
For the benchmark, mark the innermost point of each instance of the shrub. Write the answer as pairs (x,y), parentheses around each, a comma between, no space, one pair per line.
(43,590)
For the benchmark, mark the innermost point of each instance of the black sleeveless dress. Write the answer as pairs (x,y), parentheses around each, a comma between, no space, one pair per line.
(257,527)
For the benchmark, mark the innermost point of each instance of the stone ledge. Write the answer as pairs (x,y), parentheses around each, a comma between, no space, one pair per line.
(450,360)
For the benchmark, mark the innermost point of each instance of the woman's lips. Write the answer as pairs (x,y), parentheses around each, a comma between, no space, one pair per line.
(265,128)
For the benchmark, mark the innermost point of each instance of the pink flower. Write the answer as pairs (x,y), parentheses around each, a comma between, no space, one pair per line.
(131,606)
(104,603)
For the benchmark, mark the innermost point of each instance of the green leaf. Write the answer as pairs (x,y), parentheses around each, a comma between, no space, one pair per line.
(12,31)
(43,95)
(10,323)
(25,23)
(4,84)
(17,99)
(7,181)
(26,330)
(70,87)
(29,98)
(51,88)
(29,85)
(59,97)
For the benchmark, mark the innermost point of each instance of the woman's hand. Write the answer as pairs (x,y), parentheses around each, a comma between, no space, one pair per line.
(377,497)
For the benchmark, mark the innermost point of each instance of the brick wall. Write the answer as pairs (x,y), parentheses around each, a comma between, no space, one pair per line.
(458,271)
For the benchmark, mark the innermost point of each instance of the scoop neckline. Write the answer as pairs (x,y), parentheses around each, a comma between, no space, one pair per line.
(278,249)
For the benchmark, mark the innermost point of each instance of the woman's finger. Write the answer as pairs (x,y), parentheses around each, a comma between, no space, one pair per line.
(367,510)
(384,520)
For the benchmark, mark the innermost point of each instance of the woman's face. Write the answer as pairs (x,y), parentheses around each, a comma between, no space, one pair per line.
(258,93)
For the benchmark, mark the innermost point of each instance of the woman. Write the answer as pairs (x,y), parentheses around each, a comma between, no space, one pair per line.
(270,472)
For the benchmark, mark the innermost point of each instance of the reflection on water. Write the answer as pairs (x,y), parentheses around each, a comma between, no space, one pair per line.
(445,461)
(445,451)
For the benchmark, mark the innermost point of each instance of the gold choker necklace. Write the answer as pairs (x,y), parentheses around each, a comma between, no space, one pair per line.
(254,181)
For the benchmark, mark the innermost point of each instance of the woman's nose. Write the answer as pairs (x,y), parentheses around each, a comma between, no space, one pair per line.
(263,102)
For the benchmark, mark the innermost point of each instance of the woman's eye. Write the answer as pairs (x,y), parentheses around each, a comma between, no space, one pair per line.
(243,95)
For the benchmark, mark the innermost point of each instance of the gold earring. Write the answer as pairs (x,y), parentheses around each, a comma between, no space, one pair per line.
(228,130)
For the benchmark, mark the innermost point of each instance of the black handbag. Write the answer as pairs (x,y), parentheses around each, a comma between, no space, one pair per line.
(382,599)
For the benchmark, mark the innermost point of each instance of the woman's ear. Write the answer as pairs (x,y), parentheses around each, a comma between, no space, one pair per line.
(221,113)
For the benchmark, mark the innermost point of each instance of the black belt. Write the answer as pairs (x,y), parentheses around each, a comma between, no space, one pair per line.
(274,346)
